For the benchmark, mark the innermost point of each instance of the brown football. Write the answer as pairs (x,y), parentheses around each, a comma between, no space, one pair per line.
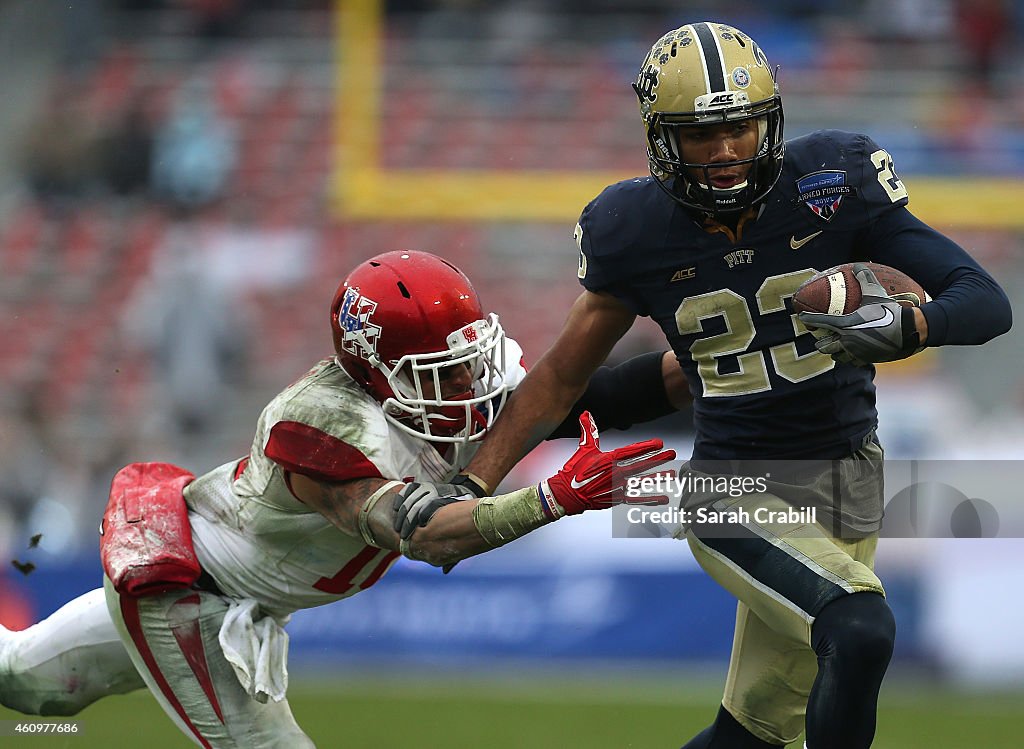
(836,291)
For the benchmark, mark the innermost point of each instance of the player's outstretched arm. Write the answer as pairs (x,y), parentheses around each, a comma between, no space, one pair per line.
(441,528)
(590,480)
(677,389)
(361,507)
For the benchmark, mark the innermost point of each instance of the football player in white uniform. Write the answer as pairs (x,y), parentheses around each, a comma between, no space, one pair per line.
(203,573)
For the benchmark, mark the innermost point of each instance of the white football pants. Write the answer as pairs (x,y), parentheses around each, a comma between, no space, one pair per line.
(65,662)
(100,643)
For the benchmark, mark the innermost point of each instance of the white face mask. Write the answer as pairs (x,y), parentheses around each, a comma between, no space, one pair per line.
(418,406)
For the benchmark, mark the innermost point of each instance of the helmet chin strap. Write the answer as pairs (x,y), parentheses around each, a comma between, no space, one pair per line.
(734,190)
(715,193)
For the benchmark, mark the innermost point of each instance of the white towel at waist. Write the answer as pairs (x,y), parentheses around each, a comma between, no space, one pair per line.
(256,649)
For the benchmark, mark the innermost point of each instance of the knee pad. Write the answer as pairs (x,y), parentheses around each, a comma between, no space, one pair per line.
(860,625)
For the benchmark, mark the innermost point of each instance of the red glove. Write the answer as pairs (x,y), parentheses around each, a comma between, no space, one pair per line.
(595,480)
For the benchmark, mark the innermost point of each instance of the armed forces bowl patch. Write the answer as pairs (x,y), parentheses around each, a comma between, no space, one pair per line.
(823,191)
(741,77)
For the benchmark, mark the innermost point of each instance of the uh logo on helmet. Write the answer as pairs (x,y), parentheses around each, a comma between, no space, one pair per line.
(359,335)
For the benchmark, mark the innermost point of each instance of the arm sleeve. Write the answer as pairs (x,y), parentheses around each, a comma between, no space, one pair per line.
(968,306)
(618,397)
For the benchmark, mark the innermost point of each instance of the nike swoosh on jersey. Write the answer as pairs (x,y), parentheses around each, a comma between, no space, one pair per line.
(579,484)
(881,322)
(796,244)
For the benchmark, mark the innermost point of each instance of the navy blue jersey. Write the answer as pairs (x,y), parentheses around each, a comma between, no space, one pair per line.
(760,388)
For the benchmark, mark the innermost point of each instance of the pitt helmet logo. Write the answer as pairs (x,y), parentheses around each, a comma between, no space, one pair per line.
(762,59)
(354,318)
(644,86)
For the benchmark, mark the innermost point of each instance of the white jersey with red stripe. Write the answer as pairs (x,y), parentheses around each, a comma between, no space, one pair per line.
(258,541)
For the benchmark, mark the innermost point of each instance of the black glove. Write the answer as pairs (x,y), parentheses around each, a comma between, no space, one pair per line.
(879,330)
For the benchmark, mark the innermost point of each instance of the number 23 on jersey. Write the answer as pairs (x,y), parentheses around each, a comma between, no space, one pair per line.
(752,372)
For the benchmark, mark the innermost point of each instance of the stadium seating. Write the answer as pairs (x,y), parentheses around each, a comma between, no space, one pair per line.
(69,276)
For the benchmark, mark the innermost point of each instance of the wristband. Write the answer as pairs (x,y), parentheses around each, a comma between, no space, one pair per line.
(368,505)
(911,338)
(506,518)
(548,504)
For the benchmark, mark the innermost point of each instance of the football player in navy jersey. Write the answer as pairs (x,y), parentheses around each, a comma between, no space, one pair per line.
(712,246)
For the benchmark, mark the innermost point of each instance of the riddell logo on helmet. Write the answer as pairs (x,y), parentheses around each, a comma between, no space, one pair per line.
(354,319)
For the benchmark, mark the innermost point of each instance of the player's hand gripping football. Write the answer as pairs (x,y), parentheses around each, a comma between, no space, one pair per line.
(594,480)
(879,330)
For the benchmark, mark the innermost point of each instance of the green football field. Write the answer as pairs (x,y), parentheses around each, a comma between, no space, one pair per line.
(534,712)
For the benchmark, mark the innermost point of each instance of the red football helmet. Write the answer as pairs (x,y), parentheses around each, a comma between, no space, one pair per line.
(400,320)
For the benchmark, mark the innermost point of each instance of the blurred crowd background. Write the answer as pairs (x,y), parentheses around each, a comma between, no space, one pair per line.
(170,235)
